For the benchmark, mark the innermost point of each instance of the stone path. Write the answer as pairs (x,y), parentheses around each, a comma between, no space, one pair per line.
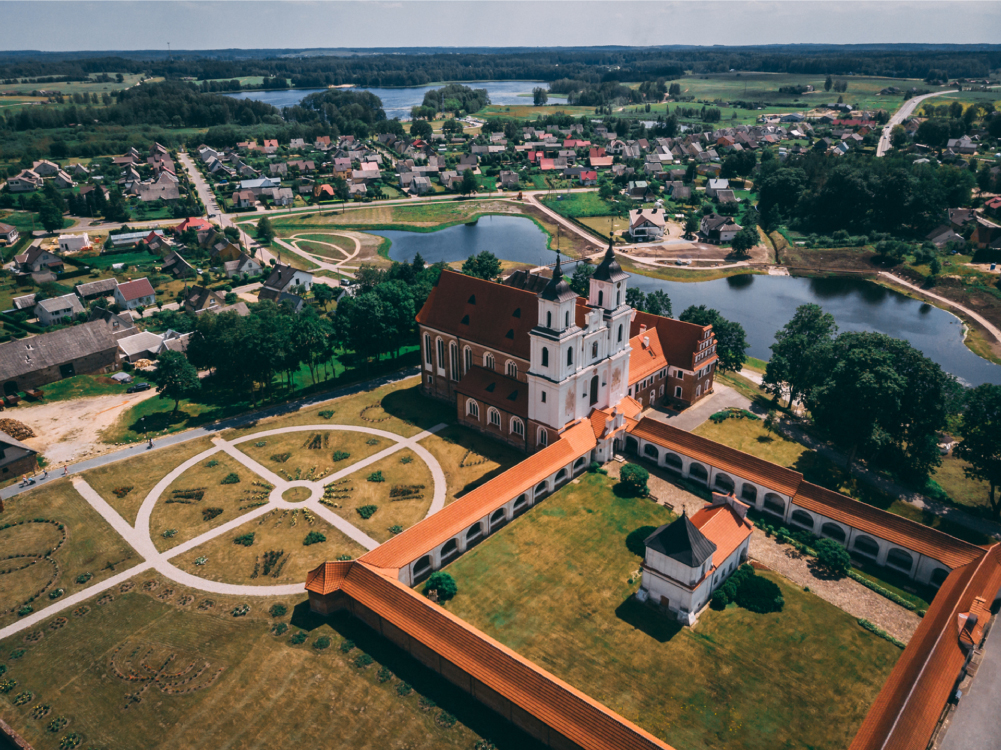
(723,397)
(139,539)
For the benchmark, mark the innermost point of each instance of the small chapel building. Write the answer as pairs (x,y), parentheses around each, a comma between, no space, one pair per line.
(689,558)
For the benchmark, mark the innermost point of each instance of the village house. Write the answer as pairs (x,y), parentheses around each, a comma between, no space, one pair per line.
(164,188)
(58,309)
(8,234)
(715,185)
(175,264)
(284,278)
(119,325)
(242,266)
(140,345)
(244,199)
(199,298)
(646,224)
(16,458)
(37,260)
(38,360)
(45,168)
(718,229)
(96,289)
(133,294)
(73,243)
(24,182)
(508,179)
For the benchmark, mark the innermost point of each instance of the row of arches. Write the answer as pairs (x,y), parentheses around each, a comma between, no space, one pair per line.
(473,535)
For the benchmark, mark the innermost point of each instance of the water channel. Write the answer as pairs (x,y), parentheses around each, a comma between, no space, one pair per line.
(397,102)
(762,304)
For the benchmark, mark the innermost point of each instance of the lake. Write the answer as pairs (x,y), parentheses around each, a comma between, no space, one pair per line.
(398,101)
(762,304)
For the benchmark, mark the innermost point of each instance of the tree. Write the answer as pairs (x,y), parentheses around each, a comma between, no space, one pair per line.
(731,341)
(980,440)
(828,82)
(540,96)
(265,231)
(744,240)
(800,353)
(580,281)
(635,298)
(51,217)
(882,399)
(771,422)
(658,303)
(451,126)
(483,266)
(898,137)
(833,557)
(633,479)
(420,129)
(759,595)
(323,294)
(691,225)
(440,587)
(175,377)
(468,185)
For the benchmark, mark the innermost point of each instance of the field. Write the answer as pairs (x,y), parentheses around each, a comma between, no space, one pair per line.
(68,88)
(424,215)
(248,688)
(82,386)
(62,544)
(469,459)
(556,586)
(288,455)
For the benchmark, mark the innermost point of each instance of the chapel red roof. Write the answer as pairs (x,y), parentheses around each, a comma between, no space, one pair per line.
(645,360)
(679,340)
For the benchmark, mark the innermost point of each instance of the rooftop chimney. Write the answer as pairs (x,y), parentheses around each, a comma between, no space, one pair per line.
(642,327)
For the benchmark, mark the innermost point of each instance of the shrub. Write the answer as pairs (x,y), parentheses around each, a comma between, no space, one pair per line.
(327,413)
(385,675)
(407,460)
(56,593)
(397,529)
(279,628)
(122,491)
(443,586)
(27,609)
(363,660)
(719,600)
(213,463)
(634,478)
(240,610)
(231,478)
(169,533)
(595,468)
(426,703)
(340,455)
(322,642)
(313,537)
(445,719)
(297,638)
(260,443)
(278,610)
(367,511)
(347,646)
(833,557)
(245,539)
(404,689)
(209,513)
(376,476)
(84,577)
(759,595)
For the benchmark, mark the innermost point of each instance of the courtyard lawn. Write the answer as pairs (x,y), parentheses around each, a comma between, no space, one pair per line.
(556,586)
(969,492)
(277,544)
(255,690)
(135,477)
(91,549)
(401,469)
(82,386)
(469,458)
(189,516)
(295,454)
(750,436)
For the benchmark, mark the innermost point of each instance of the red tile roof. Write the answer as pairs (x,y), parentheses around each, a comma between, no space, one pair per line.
(132,290)
(328,577)
(192,223)
(724,527)
(492,388)
(488,309)
(416,541)
(907,709)
(645,360)
(679,340)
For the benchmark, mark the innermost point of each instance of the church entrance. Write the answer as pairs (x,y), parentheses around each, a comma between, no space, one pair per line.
(594,390)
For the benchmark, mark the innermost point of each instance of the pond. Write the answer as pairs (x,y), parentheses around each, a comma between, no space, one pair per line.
(763,304)
(513,238)
(398,101)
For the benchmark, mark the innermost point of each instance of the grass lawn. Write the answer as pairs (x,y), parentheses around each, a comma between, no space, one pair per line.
(311,451)
(555,586)
(91,547)
(281,533)
(269,692)
(469,458)
(750,436)
(358,492)
(969,492)
(82,386)
(421,215)
(577,205)
(185,515)
(600,224)
(141,473)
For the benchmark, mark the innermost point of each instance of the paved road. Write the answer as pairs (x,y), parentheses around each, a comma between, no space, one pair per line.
(900,115)
(723,397)
(977,721)
(991,328)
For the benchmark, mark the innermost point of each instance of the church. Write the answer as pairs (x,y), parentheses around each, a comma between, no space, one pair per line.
(523,365)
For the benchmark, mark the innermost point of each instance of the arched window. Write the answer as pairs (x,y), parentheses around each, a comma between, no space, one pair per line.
(900,559)
(512,369)
(601,298)
(473,409)
(422,568)
(775,504)
(698,472)
(543,437)
(541,489)
(497,519)
(833,531)
(427,348)
(749,493)
(570,356)
(493,416)
(468,352)
(517,427)
(673,461)
(594,350)
(566,320)
(724,482)
(441,354)
(549,320)
(448,549)
(802,518)
(488,360)
(545,356)
(651,451)
(453,351)
(618,298)
(620,333)
(866,545)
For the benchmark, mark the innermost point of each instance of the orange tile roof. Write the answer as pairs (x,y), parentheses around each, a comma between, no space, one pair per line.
(772,476)
(628,406)
(489,309)
(494,389)
(645,360)
(907,709)
(416,541)
(914,536)
(724,527)
(680,341)
(561,707)
(327,577)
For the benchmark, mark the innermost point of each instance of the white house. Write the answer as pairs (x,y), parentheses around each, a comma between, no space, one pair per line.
(8,233)
(647,224)
(58,309)
(72,243)
(284,278)
(133,294)
(688,559)
(715,185)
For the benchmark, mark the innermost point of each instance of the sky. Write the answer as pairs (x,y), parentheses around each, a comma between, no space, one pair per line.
(53,25)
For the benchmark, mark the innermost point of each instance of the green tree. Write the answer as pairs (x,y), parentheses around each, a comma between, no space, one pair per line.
(636,299)
(898,137)
(51,217)
(265,231)
(634,479)
(580,280)
(691,225)
(980,440)
(421,129)
(323,294)
(731,341)
(540,96)
(451,126)
(484,265)
(833,557)
(828,82)
(800,353)
(114,209)
(440,587)
(659,303)
(468,185)
(744,240)
(175,378)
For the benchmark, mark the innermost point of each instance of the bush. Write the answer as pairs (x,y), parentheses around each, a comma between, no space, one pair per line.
(367,511)
(279,628)
(363,660)
(404,689)
(634,478)
(759,595)
(346,646)
(231,478)
(327,413)
(278,610)
(84,577)
(27,609)
(245,539)
(833,557)
(385,675)
(376,476)
(341,455)
(719,600)
(313,537)
(397,529)
(297,638)
(212,464)
(321,643)
(443,586)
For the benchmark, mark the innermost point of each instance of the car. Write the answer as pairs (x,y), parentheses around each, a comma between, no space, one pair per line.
(138,387)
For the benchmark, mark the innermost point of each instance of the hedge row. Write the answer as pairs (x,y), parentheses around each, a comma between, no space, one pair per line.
(876,630)
(873,586)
